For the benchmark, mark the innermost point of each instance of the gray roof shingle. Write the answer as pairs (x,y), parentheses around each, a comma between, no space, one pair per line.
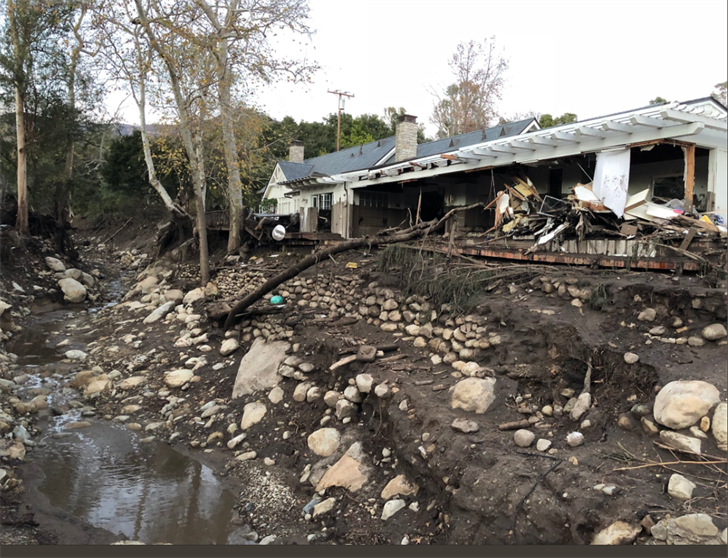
(368,155)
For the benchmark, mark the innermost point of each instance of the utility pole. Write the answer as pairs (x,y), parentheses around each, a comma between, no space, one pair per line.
(341,95)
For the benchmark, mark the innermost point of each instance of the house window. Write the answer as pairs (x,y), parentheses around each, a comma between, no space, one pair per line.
(322,201)
(373,199)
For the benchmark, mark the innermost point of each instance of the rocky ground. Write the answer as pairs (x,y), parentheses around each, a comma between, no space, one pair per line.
(355,414)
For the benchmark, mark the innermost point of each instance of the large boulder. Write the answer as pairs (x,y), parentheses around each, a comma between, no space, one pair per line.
(160,312)
(194,295)
(348,472)
(73,291)
(694,528)
(474,394)
(617,533)
(258,369)
(54,264)
(682,403)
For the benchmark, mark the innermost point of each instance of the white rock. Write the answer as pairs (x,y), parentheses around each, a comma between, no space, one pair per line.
(76,355)
(364,382)
(324,441)
(582,405)
(193,296)
(258,369)
(232,444)
(617,533)
(474,394)
(352,394)
(55,264)
(714,332)
(73,291)
(392,507)
(575,439)
(631,358)
(720,423)
(324,507)
(680,441)
(253,413)
(177,378)
(229,346)
(680,488)
(523,438)
(159,313)
(681,404)
(276,395)
(543,444)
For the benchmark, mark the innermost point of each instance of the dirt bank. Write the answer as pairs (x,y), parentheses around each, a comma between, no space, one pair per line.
(403,437)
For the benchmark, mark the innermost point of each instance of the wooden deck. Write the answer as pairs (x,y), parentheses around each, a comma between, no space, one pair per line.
(220,220)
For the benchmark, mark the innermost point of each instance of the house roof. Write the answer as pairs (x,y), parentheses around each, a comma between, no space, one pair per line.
(454,143)
(372,154)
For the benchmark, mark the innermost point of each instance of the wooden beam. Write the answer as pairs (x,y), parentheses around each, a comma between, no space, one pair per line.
(502,149)
(589,132)
(617,127)
(484,153)
(518,144)
(679,116)
(689,176)
(448,157)
(539,140)
(564,137)
(648,121)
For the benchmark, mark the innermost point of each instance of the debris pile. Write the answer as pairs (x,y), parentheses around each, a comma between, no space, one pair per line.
(522,214)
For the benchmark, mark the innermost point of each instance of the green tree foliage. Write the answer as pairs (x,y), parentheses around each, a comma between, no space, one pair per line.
(659,101)
(548,121)
(720,93)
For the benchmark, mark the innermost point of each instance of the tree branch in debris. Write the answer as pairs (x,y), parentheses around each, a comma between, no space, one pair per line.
(416,231)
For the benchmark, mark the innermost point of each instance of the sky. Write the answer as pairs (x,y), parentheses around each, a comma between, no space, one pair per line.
(588,57)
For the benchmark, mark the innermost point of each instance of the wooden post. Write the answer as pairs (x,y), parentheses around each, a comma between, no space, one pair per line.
(689,176)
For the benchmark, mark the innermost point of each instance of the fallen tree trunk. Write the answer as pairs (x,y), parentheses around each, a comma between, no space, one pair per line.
(417,231)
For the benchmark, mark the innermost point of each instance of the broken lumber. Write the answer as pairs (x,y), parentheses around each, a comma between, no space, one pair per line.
(417,231)
(343,362)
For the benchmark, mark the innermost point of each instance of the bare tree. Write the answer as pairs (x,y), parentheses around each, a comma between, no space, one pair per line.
(721,93)
(469,103)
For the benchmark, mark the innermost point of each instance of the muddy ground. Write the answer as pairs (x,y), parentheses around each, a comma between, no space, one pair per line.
(469,483)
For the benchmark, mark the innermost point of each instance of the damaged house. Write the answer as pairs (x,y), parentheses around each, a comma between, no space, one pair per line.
(597,187)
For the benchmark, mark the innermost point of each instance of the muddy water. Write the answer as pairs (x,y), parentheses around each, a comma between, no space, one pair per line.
(103,474)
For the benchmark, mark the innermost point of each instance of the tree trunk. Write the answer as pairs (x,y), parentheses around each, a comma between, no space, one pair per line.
(235,194)
(419,230)
(198,176)
(21,223)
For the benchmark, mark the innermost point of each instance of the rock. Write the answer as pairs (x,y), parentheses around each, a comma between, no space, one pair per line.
(276,395)
(714,332)
(331,398)
(625,422)
(680,488)
(348,472)
(631,358)
(382,391)
(575,439)
(130,383)
(76,355)
(696,341)
(229,346)
(352,394)
(364,382)
(464,425)
(392,507)
(253,413)
(582,405)
(705,421)
(720,423)
(247,456)
(680,441)
(617,533)
(543,444)
(178,378)
(174,295)
(258,369)
(524,438)
(299,394)
(649,427)
(345,409)
(73,291)
(324,507)
(233,442)
(193,296)
(55,264)
(160,312)
(12,449)
(4,306)
(681,404)
(647,315)
(324,441)
(474,395)
(694,528)
(97,386)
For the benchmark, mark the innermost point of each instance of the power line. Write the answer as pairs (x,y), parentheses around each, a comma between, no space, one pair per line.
(342,100)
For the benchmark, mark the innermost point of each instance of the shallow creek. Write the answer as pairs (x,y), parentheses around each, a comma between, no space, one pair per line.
(104,475)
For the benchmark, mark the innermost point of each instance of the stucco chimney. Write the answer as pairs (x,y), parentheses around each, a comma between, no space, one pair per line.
(295,151)
(405,145)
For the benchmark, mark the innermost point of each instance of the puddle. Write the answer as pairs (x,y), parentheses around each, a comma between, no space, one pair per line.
(103,474)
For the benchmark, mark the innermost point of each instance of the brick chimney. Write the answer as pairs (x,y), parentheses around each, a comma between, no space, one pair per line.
(295,151)
(405,145)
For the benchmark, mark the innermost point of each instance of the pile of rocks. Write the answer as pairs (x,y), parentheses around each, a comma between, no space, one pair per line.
(76,285)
